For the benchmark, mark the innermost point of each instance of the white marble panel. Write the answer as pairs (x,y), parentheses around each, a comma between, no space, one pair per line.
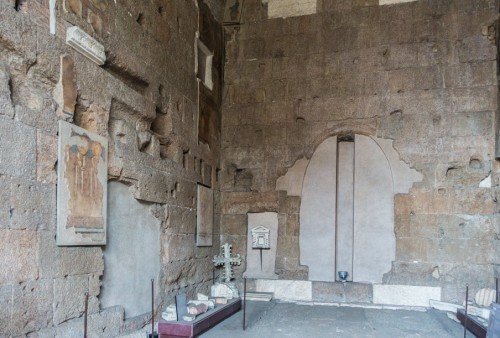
(374,238)
(406,295)
(345,207)
(317,213)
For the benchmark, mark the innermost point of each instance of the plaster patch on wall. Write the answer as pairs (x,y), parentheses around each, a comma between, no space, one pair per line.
(288,8)
(390,2)
(132,256)
(291,182)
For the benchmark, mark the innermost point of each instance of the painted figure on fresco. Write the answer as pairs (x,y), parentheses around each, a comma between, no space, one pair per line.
(82,158)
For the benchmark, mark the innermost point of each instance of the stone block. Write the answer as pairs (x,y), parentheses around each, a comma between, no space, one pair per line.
(405,295)
(179,247)
(465,75)
(244,202)
(401,56)
(69,295)
(56,262)
(151,187)
(32,307)
(18,256)
(181,220)
(421,273)
(476,48)
(17,154)
(234,224)
(46,155)
(39,111)
(6,299)
(106,323)
(341,292)
(474,99)
(32,205)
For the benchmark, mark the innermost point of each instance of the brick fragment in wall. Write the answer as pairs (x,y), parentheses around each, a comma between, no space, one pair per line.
(65,93)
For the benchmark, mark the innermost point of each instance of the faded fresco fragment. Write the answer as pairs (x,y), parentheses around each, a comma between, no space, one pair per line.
(82,176)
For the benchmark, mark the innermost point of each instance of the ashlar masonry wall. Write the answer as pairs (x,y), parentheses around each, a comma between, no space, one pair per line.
(421,73)
(144,99)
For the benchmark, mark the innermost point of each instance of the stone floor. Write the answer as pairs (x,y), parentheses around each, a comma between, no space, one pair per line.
(293,320)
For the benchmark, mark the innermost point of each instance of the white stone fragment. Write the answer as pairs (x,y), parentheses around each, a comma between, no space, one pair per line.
(170,313)
(85,44)
(485,297)
(223,290)
(201,296)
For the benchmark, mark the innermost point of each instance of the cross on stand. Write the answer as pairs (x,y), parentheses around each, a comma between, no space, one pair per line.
(227,260)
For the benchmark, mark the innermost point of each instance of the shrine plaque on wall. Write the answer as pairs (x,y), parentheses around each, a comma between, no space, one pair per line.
(82,187)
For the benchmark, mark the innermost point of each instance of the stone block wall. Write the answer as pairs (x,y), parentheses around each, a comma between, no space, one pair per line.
(144,99)
(422,73)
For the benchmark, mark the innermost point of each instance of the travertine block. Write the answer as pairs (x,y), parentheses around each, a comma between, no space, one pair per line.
(243,202)
(234,224)
(32,309)
(57,261)
(18,256)
(69,295)
(17,154)
(6,300)
(32,205)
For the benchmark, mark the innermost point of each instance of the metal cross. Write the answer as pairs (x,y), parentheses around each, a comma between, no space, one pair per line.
(227,261)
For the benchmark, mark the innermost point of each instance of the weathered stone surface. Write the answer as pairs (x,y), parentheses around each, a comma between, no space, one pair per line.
(57,261)
(69,296)
(17,154)
(32,309)
(342,292)
(23,245)
(46,152)
(32,206)
(6,107)
(6,310)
